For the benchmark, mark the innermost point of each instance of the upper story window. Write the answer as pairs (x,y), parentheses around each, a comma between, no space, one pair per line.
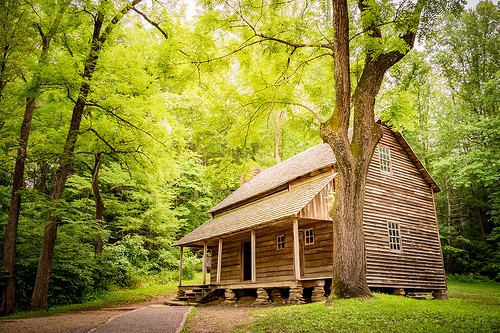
(309,236)
(394,236)
(384,154)
(280,243)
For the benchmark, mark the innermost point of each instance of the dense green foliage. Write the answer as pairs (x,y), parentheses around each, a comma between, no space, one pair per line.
(473,307)
(176,132)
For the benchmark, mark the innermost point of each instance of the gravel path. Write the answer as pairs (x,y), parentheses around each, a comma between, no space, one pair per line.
(151,319)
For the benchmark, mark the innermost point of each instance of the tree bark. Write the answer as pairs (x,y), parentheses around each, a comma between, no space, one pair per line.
(99,204)
(39,298)
(278,135)
(8,305)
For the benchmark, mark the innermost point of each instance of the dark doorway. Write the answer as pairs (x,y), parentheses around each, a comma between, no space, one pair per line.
(247,260)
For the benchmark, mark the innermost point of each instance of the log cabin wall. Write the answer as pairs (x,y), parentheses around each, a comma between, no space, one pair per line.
(317,258)
(272,265)
(231,260)
(403,197)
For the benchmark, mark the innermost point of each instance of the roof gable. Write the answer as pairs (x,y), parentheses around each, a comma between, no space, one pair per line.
(313,159)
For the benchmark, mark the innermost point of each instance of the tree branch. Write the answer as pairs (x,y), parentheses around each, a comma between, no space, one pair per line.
(154,24)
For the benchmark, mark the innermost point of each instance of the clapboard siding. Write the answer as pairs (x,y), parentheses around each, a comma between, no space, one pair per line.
(318,257)
(406,198)
(271,264)
(317,208)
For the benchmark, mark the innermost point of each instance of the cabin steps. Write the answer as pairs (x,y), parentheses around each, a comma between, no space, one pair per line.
(194,294)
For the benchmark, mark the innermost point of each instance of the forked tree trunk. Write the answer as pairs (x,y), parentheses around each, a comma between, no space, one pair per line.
(354,154)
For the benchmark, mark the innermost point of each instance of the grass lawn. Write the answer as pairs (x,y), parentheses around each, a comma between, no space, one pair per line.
(471,307)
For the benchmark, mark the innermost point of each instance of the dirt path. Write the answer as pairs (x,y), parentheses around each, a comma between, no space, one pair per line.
(218,318)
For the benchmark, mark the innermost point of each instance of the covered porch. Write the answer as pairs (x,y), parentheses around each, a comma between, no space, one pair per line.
(276,261)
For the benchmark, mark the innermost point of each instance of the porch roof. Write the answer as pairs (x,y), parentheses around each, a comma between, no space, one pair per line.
(278,206)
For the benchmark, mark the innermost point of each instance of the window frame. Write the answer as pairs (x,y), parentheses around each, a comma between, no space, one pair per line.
(385,159)
(280,244)
(309,239)
(395,239)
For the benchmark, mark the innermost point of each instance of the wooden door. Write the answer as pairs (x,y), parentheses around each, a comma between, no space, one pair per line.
(301,253)
(246,261)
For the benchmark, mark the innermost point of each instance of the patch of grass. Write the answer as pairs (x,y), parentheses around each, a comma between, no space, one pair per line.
(471,308)
(189,319)
(141,293)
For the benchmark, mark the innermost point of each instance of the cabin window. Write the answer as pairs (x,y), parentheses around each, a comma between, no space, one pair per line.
(385,158)
(280,244)
(309,236)
(394,236)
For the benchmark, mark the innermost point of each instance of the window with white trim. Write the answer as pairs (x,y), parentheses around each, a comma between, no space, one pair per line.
(309,233)
(280,242)
(394,236)
(384,154)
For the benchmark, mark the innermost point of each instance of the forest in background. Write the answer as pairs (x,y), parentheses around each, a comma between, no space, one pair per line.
(177,114)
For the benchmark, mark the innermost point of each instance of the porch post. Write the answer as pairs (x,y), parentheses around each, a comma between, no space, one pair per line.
(252,245)
(296,255)
(219,260)
(180,265)
(205,248)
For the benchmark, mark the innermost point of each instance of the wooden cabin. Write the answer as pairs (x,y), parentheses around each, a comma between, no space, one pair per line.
(272,237)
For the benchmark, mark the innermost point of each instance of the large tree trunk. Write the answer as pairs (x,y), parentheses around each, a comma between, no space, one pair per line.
(354,154)
(39,299)
(7,305)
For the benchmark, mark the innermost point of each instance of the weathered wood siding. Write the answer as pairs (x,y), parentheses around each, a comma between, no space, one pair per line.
(271,264)
(231,260)
(317,208)
(318,257)
(405,198)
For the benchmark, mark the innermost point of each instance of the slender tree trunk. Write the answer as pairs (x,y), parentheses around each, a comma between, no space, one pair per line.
(99,204)
(39,298)
(277,136)
(7,305)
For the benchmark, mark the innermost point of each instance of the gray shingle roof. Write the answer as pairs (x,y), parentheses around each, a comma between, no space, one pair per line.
(310,160)
(275,207)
